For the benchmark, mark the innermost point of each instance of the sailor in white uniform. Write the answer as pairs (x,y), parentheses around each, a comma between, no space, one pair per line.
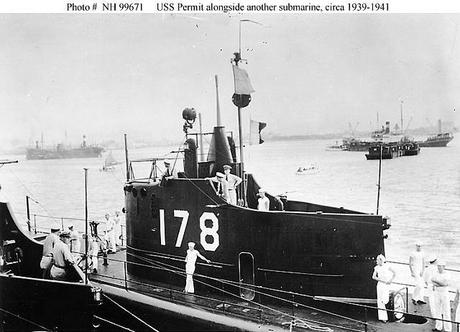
(441,282)
(430,270)
(384,274)
(263,203)
(416,266)
(75,244)
(190,261)
(233,181)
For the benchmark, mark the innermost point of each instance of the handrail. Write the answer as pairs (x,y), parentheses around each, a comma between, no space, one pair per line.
(239,285)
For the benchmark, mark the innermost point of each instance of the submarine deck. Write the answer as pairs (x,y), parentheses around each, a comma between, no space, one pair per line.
(272,316)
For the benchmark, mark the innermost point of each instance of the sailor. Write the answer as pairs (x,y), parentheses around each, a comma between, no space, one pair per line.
(75,244)
(428,273)
(233,181)
(416,266)
(110,233)
(94,252)
(117,228)
(168,173)
(263,203)
(441,282)
(48,245)
(384,274)
(222,186)
(190,260)
(63,259)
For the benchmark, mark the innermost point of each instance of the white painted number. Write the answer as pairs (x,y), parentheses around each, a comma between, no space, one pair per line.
(209,231)
(184,215)
(206,231)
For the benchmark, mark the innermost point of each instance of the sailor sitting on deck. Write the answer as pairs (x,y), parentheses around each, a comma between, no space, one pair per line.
(263,203)
(233,182)
(47,259)
(63,259)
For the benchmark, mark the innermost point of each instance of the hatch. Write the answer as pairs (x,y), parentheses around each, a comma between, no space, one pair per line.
(246,275)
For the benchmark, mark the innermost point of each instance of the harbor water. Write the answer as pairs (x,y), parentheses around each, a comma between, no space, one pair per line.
(420,194)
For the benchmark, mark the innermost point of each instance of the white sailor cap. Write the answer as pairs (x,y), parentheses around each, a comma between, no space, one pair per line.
(261,190)
(220,175)
(192,244)
(227,167)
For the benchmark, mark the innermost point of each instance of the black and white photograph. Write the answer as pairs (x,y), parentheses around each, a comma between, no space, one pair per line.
(246,167)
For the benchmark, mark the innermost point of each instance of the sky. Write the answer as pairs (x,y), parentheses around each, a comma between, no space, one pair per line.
(65,75)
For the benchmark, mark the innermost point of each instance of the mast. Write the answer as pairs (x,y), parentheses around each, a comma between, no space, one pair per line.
(201,137)
(219,119)
(126,159)
(402,123)
(86,225)
(380,175)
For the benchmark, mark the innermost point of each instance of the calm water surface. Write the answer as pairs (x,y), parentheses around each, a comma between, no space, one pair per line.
(421,194)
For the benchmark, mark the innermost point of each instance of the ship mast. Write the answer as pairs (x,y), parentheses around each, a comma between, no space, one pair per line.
(241,98)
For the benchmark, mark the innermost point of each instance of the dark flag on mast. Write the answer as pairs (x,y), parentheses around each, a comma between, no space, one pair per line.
(254,133)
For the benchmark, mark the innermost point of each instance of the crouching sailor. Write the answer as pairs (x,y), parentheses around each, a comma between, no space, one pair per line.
(190,260)
(384,274)
(63,259)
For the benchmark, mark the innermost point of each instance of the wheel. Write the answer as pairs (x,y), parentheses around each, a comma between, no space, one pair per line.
(397,303)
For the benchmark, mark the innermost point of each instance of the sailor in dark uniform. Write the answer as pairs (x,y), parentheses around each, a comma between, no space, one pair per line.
(168,173)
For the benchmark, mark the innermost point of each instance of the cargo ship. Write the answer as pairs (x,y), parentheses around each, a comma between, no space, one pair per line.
(62,152)
(441,139)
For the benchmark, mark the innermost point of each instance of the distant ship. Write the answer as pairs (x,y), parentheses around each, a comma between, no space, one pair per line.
(61,152)
(438,140)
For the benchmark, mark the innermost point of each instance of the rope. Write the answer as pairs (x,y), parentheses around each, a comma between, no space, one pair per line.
(113,323)
(130,313)
(26,320)
(304,321)
(28,191)
(250,288)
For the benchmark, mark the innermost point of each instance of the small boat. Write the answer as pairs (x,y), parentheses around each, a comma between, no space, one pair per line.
(311,169)
(109,163)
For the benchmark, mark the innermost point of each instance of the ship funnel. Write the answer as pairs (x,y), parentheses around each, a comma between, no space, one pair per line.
(387,127)
(219,150)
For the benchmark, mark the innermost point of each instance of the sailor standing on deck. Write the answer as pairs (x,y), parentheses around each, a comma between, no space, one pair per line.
(263,203)
(110,233)
(63,259)
(384,274)
(190,261)
(417,265)
(429,272)
(75,244)
(233,182)
(441,282)
(47,259)
(117,222)
(222,186)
